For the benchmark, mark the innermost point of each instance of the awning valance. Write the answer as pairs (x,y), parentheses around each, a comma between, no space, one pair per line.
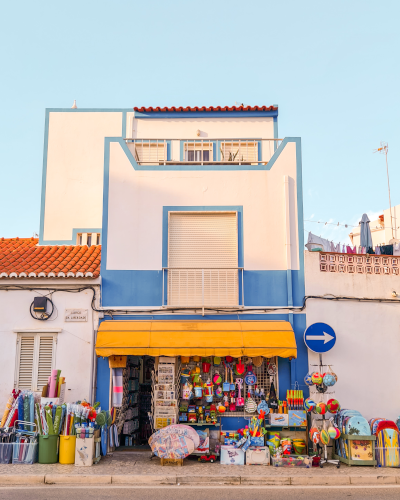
(200,338)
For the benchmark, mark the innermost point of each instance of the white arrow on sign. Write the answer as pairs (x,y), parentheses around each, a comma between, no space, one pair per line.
(325,337)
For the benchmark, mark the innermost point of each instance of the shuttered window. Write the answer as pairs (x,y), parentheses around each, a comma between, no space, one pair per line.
(150,152)
(35,360)
(202,259)
(243,151)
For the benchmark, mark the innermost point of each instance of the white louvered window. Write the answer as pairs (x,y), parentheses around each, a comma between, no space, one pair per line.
(35,360)
(239,151)
(150,152)
(203,259)
(198,151)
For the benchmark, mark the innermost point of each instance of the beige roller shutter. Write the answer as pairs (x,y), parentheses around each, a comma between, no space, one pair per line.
(203,259)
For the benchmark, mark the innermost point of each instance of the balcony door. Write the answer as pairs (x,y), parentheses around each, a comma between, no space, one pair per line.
(203,259)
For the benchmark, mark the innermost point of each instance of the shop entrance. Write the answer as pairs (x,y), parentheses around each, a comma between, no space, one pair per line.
(133,419)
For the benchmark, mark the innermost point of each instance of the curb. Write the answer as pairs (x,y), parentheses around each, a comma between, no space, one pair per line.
(143,479)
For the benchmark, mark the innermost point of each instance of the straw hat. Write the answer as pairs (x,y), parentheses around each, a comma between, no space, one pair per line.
(258,361)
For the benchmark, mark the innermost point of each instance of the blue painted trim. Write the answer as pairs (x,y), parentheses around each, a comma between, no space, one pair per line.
(204,114)
(88,110)
(189,166)
(214,208)
(106,183)
(275,132)
(44,176)
(289,287)
(73,240)
(123,124)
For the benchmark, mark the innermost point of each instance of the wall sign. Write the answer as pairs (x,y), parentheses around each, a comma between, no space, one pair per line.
(320,337)
(76,315)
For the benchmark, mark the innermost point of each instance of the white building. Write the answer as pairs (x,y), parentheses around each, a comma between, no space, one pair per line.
(381,228)
(30,346)
(367,324)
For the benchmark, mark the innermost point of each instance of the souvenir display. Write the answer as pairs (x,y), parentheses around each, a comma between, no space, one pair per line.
(316,378)
(320,409)
(308,380)
(333,406)
(309,404)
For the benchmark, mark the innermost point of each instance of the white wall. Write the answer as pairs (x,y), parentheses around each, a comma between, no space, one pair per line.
(74,347)
(136,200)
(210,128)
(366,355)
(75,170)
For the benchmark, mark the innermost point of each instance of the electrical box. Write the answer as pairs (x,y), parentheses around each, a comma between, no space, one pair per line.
(40,304)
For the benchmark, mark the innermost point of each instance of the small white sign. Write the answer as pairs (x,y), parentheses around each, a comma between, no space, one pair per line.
(76,314)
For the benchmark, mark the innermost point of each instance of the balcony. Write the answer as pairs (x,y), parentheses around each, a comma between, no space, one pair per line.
(203,151)
(200,288)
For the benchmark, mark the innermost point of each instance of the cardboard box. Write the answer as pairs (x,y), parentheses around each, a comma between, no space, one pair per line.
(278,419)
(84,452)
(231,455)
(297,418)
(258,455)
(257,441)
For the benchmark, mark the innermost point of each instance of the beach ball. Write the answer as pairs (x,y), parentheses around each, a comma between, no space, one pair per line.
(321,388)
(307,380)
(316,437)
(221,409)
(333,405)
(316,378)
(312,431)
(329,380)
(324,436)
(309,404)
(334,432)
(320,409)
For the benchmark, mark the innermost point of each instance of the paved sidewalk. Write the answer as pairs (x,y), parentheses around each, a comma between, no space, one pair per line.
(137,468)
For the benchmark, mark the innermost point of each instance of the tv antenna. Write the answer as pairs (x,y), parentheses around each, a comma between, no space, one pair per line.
(383,149)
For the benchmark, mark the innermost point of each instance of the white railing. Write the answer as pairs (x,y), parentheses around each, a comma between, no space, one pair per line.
(203,151)
(199,288)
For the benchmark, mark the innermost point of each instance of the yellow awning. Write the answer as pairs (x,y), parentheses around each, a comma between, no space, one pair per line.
(196,338)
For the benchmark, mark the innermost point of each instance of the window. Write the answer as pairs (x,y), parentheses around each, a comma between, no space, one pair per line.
(198,151)
(203,259)
(151,152)
(35,359)
(239,151)
(89,240)
(98,239)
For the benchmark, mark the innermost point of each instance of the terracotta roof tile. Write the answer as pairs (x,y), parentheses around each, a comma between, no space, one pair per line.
(23,256)
(180,109)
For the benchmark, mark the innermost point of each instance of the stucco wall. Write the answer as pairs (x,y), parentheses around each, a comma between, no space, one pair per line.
(74,170)
(136,199)
(367,350)
(74,347)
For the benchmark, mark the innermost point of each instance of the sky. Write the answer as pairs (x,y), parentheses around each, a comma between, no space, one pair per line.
(332,67)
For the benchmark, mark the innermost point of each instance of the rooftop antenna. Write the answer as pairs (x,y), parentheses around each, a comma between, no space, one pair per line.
(384,148)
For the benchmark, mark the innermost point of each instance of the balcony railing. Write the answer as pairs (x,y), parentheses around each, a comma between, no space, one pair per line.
(203,151)
(200,288)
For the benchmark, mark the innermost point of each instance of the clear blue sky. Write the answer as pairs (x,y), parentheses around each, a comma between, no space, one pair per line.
(333,68)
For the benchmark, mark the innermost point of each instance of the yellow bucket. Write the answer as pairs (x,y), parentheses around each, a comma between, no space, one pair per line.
(67,449)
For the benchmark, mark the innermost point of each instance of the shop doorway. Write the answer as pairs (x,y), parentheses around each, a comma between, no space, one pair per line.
(133,416)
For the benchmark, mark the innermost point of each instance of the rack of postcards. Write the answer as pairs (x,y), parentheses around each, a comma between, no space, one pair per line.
(131,424)
(165,404)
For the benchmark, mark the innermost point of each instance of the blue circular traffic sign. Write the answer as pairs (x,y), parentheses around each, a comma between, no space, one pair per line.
(320,337)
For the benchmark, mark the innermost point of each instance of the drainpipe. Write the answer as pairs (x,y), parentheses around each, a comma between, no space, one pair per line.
(288,248)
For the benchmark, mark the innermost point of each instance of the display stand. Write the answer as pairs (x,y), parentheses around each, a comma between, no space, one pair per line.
(324,459)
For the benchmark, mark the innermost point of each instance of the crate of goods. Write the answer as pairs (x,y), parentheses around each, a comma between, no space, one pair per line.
(303,461)
(84,451)
(278,419)
(232,456)
(297,418)
(259,455)
(25,453)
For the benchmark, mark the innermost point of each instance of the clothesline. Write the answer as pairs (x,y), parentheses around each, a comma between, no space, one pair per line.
(347,225)
(330,246)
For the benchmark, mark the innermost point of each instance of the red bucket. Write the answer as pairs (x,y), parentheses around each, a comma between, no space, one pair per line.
(206,366)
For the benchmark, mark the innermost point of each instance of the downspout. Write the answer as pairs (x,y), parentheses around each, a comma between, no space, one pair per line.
(288,248)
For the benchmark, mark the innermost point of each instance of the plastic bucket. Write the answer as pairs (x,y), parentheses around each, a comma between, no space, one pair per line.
(67,449)
(48,449)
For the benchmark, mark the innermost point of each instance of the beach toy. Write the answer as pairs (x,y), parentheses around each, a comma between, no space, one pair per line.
(185,360)
(217,360)
(321,388)
(315,435)
(257,361)
(239,399)
(239,367)
(250,378)
(250,405)
(316,378)
(221,408)
(320,409)
(217,379)
(329,380)
(324,436)
(308,380)
(333,405)
(299,446)
(286,444)
(309,404)
(334,432)
(218,392)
